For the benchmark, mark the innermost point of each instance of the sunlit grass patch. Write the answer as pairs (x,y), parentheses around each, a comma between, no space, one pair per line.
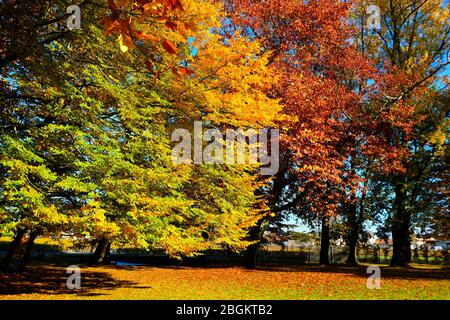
(267,283)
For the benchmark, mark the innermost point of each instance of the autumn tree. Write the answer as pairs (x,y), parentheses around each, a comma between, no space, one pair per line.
(34,172)
(86,147)
(412,51)
(318,68)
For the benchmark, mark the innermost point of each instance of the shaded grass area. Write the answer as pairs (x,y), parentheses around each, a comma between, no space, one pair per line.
(43,281)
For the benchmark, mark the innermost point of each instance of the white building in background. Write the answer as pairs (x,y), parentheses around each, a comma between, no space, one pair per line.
(432,243)
(441,245)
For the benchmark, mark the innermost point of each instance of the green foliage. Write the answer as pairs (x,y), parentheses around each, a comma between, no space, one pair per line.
(86,146)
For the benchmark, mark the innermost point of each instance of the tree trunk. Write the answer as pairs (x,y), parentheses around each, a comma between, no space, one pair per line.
(251,253)
(401,255)
(12,250)
(351,258)
(26,258)
(102,251)
(229,253)
(325,242)
(352,241)
(107,256)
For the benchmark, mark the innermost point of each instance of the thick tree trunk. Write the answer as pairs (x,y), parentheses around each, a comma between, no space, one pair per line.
(401,255)
(26,258)
(7,263)
(107,256)
(102,252)
(351,258)
(251,253)
(325,242)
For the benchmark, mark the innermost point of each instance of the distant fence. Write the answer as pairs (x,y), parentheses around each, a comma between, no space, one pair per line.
(278,254)
(337,255)
(383,255)
(301,254)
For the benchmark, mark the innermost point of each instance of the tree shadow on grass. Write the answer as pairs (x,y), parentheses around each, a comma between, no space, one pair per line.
(52,280)
(358,270)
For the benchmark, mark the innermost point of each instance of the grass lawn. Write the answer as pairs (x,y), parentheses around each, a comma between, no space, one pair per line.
(300,282)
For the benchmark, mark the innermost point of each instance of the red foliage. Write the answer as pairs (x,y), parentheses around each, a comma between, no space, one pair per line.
(327,86)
